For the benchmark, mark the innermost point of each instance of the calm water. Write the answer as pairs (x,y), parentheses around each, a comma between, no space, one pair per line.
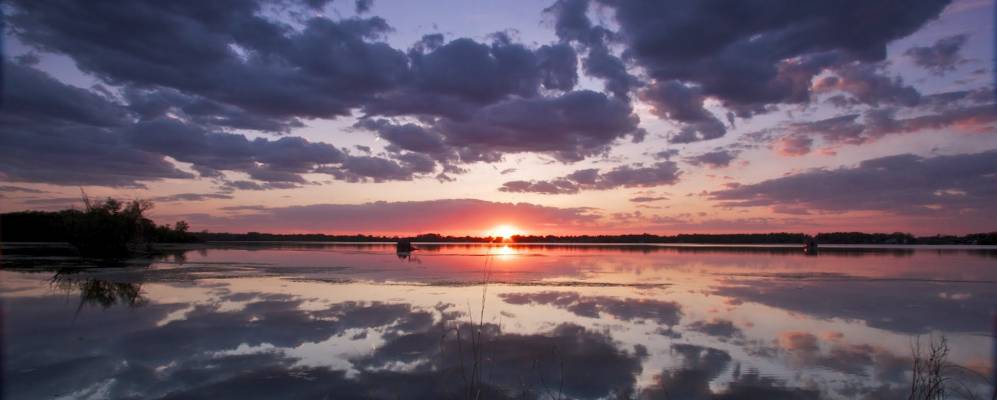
(358,321)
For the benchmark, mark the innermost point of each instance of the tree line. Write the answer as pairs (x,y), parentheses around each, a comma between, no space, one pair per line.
(102,229)
(115,228)
(734,238)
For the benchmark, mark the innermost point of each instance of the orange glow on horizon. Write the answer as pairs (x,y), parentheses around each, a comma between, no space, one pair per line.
(505,232)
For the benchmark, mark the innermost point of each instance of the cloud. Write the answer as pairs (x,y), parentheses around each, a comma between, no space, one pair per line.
(571,24)
(962,111)
(208,72)
(151,104)
(280,160)
(227,53)
(569,127)
(454,79)
(660,173)
(558,66)
(867,85)
(240,69)
(253,185)
(647,199)
(453,215)
(676,101)
(903,184)
(940,57)
(718,158)
(33,97)
(90,140)
(191,197)
(363,6)
(410,137)
(976,118)
(55,133)
(20,189)
(59,134)
(767,53)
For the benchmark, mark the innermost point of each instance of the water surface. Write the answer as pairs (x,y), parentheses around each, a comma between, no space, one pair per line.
(304,320)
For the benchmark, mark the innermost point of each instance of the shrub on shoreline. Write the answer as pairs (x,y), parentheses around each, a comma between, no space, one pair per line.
(108,229)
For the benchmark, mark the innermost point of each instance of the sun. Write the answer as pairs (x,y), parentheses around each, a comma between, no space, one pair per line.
(504,231)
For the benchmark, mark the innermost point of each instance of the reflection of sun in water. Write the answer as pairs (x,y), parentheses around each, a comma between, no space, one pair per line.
(503,253)
(504,231)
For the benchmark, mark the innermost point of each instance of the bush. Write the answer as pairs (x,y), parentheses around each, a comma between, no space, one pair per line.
(115,229)
(108,229)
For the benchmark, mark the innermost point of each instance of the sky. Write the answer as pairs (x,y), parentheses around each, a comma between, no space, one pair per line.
(460,117)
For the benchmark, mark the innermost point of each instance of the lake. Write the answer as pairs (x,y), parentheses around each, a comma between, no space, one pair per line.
(312,320)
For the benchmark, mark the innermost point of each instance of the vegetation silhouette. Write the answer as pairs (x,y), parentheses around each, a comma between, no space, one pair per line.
(645,238)
(97,292)
(933,377)
(108,229)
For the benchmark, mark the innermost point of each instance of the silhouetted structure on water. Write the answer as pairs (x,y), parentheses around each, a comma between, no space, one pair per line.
(810,247)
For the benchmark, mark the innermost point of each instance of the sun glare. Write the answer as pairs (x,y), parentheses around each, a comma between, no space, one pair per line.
(504,231)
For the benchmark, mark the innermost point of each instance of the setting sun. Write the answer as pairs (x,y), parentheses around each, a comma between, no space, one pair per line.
(504,231)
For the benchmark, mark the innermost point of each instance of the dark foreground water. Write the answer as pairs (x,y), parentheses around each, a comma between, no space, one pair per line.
(552,322)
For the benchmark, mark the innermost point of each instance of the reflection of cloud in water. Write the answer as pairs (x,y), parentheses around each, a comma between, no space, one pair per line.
(702,365)
(294,335)
(720,328)
(587,363)
(803,348)
(124,354)
(906,307)
(626,309)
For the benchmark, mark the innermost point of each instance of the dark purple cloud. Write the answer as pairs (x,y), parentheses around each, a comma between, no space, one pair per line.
(679,102)
(940,57)
(363,6)
(572,25)
(647,199)
(55,133)
(718,158)
(867,84)
(759,53)
(904,184)
(181,82)
(253,185)
(19,189)
(223,51)
(191,197)
(453,79)
(968,111)
(410,137)
(752,57)
(150,104)
(229,66)
(568,127)
(660,173)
